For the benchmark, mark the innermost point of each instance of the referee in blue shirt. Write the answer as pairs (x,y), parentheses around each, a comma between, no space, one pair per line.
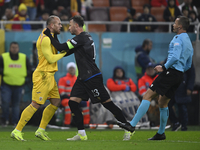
(179,60)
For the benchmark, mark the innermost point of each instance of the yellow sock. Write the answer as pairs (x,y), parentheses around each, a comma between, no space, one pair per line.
(25,117)
(47,115)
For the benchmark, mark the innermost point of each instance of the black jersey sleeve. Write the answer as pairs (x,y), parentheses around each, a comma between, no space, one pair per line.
(59,46)
(76,42)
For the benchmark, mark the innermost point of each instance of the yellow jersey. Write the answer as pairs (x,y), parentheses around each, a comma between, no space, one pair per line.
(45,49)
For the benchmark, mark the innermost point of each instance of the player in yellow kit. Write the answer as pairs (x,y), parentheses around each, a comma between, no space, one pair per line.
(44,84)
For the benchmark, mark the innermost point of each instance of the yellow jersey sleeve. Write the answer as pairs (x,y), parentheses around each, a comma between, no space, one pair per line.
(47,51)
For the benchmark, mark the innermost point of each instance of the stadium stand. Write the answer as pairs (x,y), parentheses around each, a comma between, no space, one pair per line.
(137,3)
(97,14)
(157,12)
(101,3)
(117,14)
(138,9)
(124,3)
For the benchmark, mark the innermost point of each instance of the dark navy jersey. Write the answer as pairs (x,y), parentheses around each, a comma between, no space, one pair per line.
(84,51)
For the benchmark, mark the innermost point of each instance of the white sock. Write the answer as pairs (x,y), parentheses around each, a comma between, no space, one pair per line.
(82,132)
(17,130)
(42,128)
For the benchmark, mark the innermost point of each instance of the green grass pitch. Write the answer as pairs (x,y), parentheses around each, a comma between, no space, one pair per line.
(101,140)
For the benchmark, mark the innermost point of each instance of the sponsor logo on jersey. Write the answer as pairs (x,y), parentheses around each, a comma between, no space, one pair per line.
(176,44)
(73,41)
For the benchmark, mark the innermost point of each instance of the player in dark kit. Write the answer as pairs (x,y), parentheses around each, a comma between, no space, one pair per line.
(89,83)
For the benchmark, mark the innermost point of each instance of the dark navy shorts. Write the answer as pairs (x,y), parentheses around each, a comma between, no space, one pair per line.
(167,82)
(92,88)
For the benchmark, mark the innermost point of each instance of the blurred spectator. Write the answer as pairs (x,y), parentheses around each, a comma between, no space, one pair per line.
(8,17)
(190,6)
(171,12)
(193,19)
(65,85)
(63,5)
(143,84)
(119,82)
(142,57)
(161,3)
(51,5)
(129,18)
(14,67)
(181,99)
(32,7)
(185,11)
(40,7)
(44,16)
(65,15)
(75,6)
(21,16)
(145,81)
(4,4)
(147,17)
(122,90)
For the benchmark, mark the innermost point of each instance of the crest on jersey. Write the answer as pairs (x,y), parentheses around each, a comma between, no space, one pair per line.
(40,98)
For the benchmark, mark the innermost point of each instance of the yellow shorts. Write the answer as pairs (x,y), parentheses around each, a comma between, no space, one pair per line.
(44,86)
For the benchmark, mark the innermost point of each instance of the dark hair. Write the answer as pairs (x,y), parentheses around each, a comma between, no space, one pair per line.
(172,0)
(146,42)
(185,7)
(14,43)
(131,11)
(78,19)
(45,11)
(184,21)
(50,19)
(146,5)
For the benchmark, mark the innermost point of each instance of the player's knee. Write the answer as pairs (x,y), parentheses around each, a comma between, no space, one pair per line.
(35,105)
(56,102)
(73,104)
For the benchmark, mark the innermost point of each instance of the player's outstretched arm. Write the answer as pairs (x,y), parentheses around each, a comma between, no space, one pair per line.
(59,46)
(47,52)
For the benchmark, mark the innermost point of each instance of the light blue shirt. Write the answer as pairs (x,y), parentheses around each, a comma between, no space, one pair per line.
(180,53)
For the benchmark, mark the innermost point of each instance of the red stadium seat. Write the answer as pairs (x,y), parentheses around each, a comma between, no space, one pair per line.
(117,14)
(97,14)
(157,12)
(120,3)
(135,3)
(97,28)
(139,9)
(101,3)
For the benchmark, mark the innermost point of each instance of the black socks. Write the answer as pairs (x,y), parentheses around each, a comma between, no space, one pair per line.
(115,110)
(76,114)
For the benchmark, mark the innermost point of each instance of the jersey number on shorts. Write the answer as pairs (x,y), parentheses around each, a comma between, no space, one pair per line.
(95,92)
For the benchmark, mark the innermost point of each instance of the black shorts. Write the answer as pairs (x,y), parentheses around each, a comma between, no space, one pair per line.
(167,82)
(92,88)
